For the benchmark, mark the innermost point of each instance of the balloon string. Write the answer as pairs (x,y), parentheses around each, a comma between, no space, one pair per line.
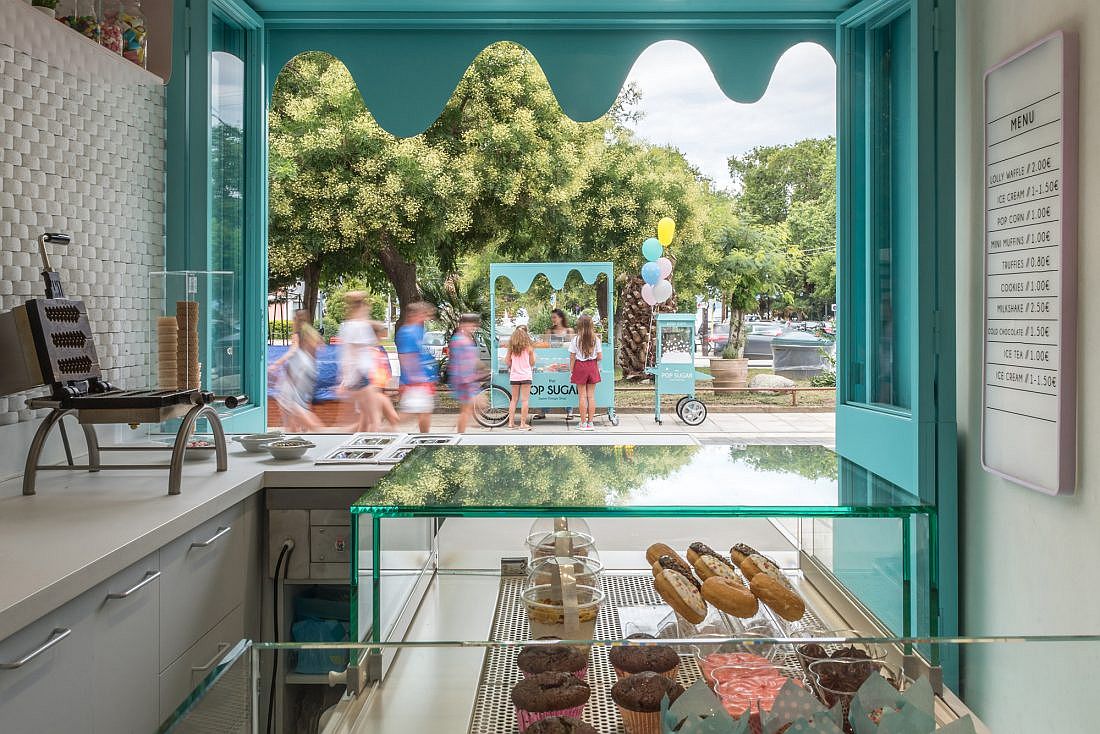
(649,337)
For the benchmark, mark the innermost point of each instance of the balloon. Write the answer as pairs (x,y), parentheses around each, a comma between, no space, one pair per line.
(647,295)
(651,273)
(662,291)
(666,230)
(666,267)
(652,249)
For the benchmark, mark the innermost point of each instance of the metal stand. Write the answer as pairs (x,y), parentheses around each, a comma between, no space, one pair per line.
(175,467)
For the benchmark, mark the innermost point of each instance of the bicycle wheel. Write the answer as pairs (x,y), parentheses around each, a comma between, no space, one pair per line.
(484,412)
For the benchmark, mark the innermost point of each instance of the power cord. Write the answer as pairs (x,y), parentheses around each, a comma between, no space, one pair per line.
(284,554)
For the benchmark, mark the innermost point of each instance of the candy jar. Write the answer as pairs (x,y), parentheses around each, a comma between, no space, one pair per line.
(135,37)
(82,18)
(110,27)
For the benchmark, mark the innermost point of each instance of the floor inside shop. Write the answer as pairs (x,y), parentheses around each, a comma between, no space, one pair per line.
(461,606)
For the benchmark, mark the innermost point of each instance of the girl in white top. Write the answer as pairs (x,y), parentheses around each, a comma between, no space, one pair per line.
(357,362)
(585,353)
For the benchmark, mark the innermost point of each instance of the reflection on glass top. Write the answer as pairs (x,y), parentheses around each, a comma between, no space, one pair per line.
(640,480)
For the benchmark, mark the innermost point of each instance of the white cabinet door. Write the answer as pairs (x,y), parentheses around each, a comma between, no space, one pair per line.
(203,578)
(189,669)
(126,651)
(45,680)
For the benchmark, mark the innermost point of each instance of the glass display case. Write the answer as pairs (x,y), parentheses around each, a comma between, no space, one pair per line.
(460,517)
(196,330)
(873,686)
(675,338)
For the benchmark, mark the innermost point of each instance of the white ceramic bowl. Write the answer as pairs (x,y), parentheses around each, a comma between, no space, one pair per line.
(256,443)
(289,449)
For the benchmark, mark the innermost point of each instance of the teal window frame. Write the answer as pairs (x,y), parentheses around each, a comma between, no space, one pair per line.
(583,45)
(914,446)
(189,208)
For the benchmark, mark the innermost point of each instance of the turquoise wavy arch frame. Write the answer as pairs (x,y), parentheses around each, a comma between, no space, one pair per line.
(522,275)
(586,77)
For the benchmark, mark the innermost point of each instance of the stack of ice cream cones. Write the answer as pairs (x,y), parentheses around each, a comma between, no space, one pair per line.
(187,344)
(167,337)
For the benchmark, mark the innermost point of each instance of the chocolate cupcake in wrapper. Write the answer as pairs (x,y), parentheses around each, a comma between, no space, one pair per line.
(544,695)
(535,659)
(638,698)
(633,659)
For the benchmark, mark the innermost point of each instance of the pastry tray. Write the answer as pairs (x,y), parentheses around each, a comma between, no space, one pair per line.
(628,597)
(383,448)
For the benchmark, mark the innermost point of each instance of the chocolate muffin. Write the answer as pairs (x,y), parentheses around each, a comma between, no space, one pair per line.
(631,659)
(552,659)
(551,691)
(643,692)
(560,725)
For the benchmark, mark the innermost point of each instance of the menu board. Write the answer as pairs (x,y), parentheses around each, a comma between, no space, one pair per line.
(1029,383)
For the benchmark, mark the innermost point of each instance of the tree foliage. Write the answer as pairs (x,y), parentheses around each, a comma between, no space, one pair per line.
(504,175)
(790,191)
(524,476)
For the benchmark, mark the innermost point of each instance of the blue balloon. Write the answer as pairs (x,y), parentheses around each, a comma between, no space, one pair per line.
(652,249)
(651,273)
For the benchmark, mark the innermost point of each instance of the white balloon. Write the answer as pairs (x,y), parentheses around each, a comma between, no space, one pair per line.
(666,267)
(647,294)
(662,291)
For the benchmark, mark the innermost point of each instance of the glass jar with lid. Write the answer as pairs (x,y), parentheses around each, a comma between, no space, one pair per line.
(135,36)
(80,15)
(110,26)
(560,536)
(587,570)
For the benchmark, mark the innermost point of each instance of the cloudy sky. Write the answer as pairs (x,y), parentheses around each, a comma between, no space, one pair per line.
(684,107)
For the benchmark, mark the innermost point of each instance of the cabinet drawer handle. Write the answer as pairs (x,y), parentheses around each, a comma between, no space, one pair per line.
(150,577)
(222,647)
(213,538)
(59,634)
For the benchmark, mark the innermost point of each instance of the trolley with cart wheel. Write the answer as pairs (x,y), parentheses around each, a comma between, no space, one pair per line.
(550,386)
(675,373)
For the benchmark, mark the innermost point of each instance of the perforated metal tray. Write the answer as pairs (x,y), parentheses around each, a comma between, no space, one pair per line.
(493,712)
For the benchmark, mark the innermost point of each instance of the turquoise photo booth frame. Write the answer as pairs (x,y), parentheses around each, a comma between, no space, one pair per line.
(551,387)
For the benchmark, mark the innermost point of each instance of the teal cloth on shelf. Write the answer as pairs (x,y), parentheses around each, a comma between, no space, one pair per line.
(319,662)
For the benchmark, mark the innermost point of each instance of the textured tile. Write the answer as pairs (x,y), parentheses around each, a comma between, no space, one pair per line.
(85,158)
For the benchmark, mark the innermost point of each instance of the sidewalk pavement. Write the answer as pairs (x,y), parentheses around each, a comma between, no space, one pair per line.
(770,427)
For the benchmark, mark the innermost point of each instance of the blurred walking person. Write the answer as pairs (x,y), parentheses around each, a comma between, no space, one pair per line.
(294,395)
(383,375)
(418,368)
(464,368)
(357,362)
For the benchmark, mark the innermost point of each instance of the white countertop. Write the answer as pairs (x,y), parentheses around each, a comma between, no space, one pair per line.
(82,528)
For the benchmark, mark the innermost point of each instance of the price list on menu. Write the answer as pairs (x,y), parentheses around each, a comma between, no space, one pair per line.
(1028,417)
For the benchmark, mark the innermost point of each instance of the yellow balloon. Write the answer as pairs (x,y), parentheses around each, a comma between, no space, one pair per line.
(666,230)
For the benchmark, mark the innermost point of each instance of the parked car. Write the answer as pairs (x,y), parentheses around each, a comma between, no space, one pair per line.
(716,339)
(434,341)
(758,342)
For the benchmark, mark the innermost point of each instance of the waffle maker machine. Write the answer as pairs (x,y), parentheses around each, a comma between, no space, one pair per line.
(49,344)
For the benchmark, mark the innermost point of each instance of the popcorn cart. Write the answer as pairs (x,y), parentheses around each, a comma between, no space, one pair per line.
(550,387)
(675,373)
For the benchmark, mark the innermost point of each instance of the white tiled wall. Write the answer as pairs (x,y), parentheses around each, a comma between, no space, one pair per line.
(82,138)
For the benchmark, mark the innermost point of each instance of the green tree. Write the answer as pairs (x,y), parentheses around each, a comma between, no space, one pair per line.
(552,476)
(501,166)
(750,274)
(774,177)
(794,187)
(810,462)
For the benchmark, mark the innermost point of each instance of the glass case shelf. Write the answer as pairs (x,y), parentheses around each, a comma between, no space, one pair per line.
(457,515)
(1008,684)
